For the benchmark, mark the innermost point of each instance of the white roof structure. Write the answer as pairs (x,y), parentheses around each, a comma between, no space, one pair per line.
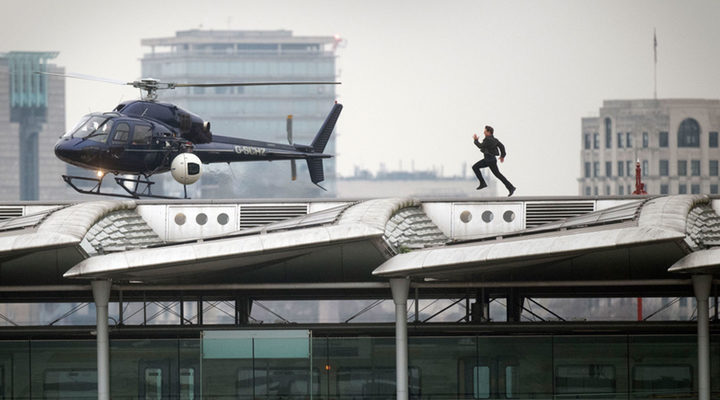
(368,241)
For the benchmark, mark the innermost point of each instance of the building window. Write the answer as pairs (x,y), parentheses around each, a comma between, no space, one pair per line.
(713,167)
(695,189)
(713,139)
(607,190)
(587,141)
(695,167)
(596,140)
(682,188)
(664,168)
(630,191)
(645,168)
(621,168)
(628,139)
(587,169)
(714,188)
(682,167)
(689,133)
(630,170)
(587,190)
(595,191)
(664,188)
(608,168)
(608,133)
(621,138)
(596,170)
(663,139)
(621,190)
(646,139)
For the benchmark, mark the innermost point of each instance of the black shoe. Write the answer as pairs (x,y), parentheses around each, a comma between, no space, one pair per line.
(482,186)
(511,191)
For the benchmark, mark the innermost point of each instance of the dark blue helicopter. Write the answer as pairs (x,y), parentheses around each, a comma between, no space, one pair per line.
(146,137)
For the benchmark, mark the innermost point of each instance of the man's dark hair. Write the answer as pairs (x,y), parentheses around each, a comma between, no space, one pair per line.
(490,129)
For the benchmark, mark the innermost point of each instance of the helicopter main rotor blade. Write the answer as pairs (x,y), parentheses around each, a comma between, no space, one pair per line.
(174,85)
(85,77)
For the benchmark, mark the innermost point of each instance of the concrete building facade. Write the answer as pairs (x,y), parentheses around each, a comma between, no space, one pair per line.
(252,112)
(32,117)
(675,141)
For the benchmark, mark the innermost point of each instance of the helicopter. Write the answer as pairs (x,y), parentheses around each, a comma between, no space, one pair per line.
(145,137)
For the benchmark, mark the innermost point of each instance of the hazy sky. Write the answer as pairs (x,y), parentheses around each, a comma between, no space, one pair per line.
(420,77)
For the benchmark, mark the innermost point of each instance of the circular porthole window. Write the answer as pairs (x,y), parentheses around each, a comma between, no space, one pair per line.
(223,219)
(509,216)
(466,216)
(487,216)
(201,219)
(180,218)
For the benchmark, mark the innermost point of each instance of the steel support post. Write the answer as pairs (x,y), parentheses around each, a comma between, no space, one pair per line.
(701,284)
(101,295)
(400,288)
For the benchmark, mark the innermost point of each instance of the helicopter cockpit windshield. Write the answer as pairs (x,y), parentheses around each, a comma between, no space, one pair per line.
(93,127)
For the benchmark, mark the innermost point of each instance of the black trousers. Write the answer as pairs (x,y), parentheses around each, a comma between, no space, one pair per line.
(492,164)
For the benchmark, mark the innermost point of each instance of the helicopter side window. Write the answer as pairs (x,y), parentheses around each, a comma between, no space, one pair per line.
(142,134)
(122,133)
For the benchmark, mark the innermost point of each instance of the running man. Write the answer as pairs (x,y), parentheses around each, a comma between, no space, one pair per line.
(490,146)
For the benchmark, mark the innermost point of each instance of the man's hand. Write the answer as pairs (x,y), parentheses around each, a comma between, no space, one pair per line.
(474,136)
(502,159)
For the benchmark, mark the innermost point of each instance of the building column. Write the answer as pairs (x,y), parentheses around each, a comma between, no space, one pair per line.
(400,288)
(101,295)
(702,284)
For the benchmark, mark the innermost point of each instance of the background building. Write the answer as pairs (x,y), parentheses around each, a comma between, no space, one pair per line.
(251,112)
(32,117)
(675,140)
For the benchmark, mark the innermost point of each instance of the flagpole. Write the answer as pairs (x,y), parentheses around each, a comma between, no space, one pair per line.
(655,63)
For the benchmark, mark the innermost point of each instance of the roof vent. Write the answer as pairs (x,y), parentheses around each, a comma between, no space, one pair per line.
(10,212)
(539,213)
(252,215)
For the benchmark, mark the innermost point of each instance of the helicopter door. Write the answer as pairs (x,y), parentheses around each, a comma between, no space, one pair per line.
(119,140)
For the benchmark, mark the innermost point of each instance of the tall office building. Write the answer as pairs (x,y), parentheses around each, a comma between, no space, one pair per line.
(32,117)
(675,141)
(251,112)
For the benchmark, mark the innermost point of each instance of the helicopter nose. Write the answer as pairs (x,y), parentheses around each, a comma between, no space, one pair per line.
(63,150)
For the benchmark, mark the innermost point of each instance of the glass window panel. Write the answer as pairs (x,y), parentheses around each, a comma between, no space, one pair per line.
(620,140)
(645,139)
(713,170)
(695,167)
(713,139)
(682,167)
(608,133)
(663,139)
(481,382)
(664,168)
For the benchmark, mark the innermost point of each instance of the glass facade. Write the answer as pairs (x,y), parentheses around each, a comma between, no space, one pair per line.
(454,367)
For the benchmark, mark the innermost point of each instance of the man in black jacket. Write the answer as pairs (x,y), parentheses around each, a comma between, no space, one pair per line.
(490,147)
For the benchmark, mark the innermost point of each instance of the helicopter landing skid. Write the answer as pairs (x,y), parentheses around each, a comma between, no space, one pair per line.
(135,193)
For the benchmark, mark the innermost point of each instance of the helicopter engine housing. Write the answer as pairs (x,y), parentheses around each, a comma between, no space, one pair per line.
(186,168)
